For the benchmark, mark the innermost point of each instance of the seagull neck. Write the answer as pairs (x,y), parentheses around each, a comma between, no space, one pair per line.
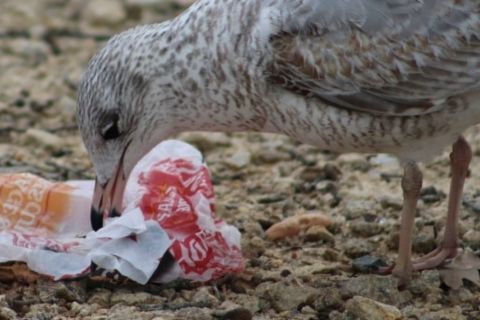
(206,69)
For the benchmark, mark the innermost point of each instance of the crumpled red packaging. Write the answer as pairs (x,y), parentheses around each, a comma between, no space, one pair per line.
(168,206)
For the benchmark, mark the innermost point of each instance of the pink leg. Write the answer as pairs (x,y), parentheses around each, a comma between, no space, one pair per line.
(460,160)
(411,186)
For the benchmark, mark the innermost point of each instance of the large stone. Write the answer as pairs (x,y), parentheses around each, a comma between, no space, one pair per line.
(286,297)
(361,308)
(376,287)
(427,284)
(441,313)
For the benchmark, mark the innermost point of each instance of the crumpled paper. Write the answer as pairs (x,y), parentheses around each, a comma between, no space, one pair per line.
(168,207)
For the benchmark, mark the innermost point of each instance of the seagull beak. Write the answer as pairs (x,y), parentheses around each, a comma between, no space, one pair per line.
(108,197)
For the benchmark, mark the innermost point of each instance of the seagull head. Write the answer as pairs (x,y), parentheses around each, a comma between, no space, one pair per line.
(118,119)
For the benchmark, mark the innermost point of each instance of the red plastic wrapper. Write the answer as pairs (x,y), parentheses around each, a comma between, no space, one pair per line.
(168,206)
(179,195)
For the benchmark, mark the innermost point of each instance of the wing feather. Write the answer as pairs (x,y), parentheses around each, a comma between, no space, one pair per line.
(388,57)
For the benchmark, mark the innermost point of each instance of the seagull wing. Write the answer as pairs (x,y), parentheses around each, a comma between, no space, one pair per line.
(385,57)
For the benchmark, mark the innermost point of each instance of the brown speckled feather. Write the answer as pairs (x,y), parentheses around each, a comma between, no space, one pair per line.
(393,57)
(395,76)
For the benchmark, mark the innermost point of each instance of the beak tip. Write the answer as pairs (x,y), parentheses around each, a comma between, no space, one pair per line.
(96,219)
(114,213)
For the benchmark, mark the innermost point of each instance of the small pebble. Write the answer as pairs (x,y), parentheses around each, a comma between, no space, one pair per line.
(329,299)
(131,298)
(471,238)
(239,159)
(234,313)
(101,297)
(104,12)
(424,240)
(364,228)
(431,195)
(204,299)
(315,174)
(368,263)
(37,137)
(355,248)
(358,208)
(7,314)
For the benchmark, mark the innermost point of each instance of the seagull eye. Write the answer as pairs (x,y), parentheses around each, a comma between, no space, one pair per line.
(111,131)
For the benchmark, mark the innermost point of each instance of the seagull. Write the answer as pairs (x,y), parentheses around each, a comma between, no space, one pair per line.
(373,76)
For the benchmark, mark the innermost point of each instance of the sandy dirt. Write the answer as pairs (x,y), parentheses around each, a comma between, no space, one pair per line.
(259,180)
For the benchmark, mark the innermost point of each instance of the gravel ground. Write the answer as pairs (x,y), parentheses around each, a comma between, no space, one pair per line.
(259,180)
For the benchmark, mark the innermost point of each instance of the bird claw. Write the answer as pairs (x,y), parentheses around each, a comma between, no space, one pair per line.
(435,258)
(431,260)
(385,270)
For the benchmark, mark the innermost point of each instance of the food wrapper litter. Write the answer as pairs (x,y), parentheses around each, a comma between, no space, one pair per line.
(168,228)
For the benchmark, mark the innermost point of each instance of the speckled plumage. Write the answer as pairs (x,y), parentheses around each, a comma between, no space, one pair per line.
(396,76)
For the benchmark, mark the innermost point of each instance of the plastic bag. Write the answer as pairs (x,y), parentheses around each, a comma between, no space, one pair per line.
(169,207)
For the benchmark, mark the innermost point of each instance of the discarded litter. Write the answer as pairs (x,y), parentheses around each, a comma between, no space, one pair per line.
(169,212)
(292,226)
